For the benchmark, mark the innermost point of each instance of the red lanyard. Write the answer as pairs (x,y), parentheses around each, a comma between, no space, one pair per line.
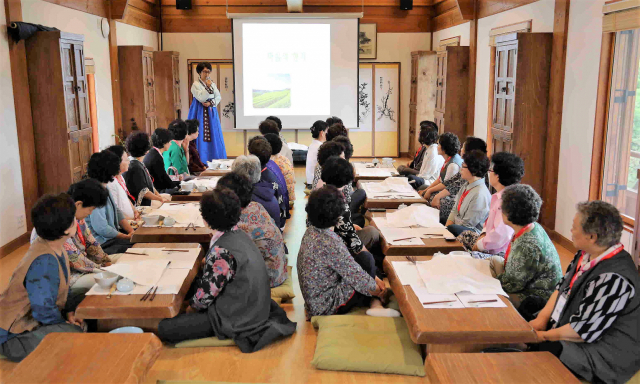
(124,186)
(520,233)
(418,151)
(445,164)
(462,198)
(618,248)
(81,236)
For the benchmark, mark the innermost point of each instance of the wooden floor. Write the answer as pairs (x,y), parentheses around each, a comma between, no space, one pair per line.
(286,361)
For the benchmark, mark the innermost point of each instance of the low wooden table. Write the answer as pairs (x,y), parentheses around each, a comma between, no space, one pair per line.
(193,196)
(529,368)
(215,172)
(128,310)
(389,203)
(457,330)
(430,246)
(89,358)
(201,235)
(359,174)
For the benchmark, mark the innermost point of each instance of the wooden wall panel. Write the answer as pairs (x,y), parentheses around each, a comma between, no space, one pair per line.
(492,7)
(554,122)
(94,7)
(205,17)
(22,106)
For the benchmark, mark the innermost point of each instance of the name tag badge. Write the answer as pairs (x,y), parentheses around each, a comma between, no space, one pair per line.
(562,301)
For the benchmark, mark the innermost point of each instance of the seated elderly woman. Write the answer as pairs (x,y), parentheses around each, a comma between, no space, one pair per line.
(331,280)
(361,242)
(336,129)
(355,197)
(193,156)
(108,224)
(118,187)
(34,303)
(413,167)
(432,163)
(286,150)
(260,147)
(284,165)
(138,179)
(441,194)
(276,146)
(263,194)
(85,253)
(506,169)
(259,226)
(592,320)
(232,298)
(153,160)
(472,201)
(176,156)
(530,269)
(327,150)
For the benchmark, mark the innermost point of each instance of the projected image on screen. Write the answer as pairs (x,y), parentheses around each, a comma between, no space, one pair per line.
(286,69)
(272,91)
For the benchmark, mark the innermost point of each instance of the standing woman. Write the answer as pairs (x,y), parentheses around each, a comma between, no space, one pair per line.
(206,98)
(319,134)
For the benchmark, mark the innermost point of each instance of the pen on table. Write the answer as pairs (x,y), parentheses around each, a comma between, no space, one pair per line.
(482,301)
(440,302)
(406,238)
(175,250)
(136,253)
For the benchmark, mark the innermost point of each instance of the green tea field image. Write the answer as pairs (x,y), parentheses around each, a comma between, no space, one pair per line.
(274,92)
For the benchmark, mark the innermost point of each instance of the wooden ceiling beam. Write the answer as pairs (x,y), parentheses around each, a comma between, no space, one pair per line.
(118,9)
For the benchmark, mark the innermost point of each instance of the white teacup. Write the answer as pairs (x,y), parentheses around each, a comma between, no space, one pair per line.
(214,165)
(202,188)
(187,187)
(224,166)
(169,221)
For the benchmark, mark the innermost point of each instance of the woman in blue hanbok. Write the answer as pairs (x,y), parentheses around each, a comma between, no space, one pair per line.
(206,97)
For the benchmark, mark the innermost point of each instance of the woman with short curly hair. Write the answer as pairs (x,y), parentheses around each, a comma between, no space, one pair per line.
(107,223)
(472,201)
(138,178)
(232,298)
(427,137)
(531,266)
(592,319)
(506,169)
(331,280)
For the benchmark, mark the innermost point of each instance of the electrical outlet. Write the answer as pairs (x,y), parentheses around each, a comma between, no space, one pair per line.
(20,221)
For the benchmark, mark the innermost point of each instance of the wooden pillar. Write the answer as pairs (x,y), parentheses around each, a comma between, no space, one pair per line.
(554,120)
(115,75)
(22,105)
(473,55)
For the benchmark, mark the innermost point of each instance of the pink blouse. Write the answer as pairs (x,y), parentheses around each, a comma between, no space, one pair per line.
(498,234)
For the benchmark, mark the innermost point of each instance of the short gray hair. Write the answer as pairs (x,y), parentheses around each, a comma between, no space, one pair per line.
(248,166)
(521,204)
(601,219)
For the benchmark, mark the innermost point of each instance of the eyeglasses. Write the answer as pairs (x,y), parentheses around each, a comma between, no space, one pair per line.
(465,166)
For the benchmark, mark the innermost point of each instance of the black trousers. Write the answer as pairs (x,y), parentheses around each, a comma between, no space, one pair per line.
(357,207)
(367,262)
(186,326)
(115,245)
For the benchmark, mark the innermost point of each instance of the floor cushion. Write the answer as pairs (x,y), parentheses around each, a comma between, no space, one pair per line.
(366,344)
(285,290)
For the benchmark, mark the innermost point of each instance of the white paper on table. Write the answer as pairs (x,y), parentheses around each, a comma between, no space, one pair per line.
(209,183)
(466,297)
(425,297)
(179,260)
(390,184)
(169,284)
(452,274)
(393,234)
(376,172)
(407,272)
(182,213)
(415,214)
(146,272)
(219,162)
(297,147)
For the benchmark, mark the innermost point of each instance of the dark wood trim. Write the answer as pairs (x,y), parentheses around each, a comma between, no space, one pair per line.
(554,119)
(602,113)
(22,106)
(558,238)
(473,56)
(115,78)
(15,244)
(405,155)
(488,8)
(492,79)
(94,7)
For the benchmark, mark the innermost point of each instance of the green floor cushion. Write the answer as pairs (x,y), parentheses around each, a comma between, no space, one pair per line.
(366,344)
(206,342)
(285,290)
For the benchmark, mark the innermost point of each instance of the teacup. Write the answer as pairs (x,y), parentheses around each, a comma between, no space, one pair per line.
(125,285)
(214,165)
(151,220)
(202,188)
(224,166)
(169,221)
(187,187)
(106,279)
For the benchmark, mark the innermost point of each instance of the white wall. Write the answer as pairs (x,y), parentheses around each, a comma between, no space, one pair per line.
(11,198)
(95,46)
(579,109)
(541,12)
(462,30)
(392,47)
(131,35)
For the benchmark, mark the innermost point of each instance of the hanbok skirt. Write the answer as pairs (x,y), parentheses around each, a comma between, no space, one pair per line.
(210,142)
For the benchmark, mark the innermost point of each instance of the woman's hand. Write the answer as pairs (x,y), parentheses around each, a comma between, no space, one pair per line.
(208,82)
(72,319)
(356,227)
(206,104)
(136,215)
(435,203)
(190,309)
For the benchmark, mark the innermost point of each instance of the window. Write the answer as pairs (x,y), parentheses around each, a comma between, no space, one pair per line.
(622,145)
